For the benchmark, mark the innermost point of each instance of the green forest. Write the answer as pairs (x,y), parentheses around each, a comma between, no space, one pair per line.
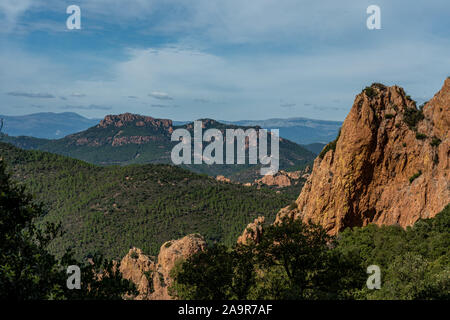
(57,211)
(107,209)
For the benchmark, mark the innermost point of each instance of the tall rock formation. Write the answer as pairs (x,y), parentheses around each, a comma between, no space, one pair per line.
(152,277)
(253,232)
(389,165)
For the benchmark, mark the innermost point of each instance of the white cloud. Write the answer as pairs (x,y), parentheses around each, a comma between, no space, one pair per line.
(317,52)
(30,94)
(78,95)
(89,107)
(237,87)
(11,11)
(160,95)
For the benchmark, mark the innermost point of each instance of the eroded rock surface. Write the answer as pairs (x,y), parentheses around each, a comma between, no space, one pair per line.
(152,278)
(389,165)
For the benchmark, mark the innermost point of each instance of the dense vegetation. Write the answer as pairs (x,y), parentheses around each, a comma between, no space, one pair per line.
(298,261)
(29,271)
(292,261)
(109,209)
(415,263)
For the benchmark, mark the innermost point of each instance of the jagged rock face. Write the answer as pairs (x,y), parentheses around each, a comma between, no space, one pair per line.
(124,129)
(253,232)
(383,170)
(138,120)
(152,279)
(283,178)
(280,180)
(223,179)
(139,268)
(173,250)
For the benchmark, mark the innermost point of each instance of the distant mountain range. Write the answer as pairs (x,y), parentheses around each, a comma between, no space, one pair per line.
(50,125)
(300,130)
(47,125)
(135,139)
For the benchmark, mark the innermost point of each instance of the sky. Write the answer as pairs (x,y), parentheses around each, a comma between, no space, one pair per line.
(220,59)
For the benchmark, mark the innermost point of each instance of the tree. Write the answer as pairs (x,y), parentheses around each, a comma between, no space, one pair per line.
(414,262)
(293,260)
(28,270)
(301,256)
(218,273)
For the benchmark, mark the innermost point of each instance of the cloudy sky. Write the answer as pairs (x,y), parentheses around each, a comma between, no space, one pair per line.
(223,59)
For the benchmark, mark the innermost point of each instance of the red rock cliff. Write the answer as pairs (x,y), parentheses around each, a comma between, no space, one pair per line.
(389,165)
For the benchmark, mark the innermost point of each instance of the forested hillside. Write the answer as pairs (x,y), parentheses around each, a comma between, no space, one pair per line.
(108,209)
(134,139)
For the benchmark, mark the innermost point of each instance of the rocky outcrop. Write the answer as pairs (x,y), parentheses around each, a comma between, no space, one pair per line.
(139,269)
(120,141)
(289,212)
(223,179)
(121,120)
(389,165)
(253,232)
(279,180)
(152,278)
(283,178)
(124,129)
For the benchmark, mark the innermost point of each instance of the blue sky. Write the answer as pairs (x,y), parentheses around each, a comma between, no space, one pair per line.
(227,59)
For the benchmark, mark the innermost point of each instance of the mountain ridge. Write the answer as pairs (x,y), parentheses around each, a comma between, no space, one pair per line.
(130,138)
(46,125)
(50,125)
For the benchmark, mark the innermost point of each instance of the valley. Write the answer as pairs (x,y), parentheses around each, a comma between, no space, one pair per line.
(107,209)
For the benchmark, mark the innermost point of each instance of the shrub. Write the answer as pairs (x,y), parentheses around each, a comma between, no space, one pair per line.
(161,280)
(149,275)
(370,92)
(435,142)
(378,85)
(415,176)
(412,117)
(420,136)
